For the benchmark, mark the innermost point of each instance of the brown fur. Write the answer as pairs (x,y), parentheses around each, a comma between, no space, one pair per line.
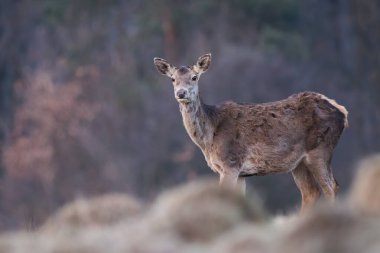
(273,136)
(296,134)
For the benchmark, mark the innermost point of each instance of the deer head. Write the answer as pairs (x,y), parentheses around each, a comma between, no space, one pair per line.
(185,78)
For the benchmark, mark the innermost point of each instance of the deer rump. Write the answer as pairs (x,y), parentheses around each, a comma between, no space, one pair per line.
(260,139)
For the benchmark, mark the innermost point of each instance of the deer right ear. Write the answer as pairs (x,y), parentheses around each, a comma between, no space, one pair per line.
(163,66)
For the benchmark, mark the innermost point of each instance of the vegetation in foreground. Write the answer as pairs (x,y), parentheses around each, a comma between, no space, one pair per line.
(202,217)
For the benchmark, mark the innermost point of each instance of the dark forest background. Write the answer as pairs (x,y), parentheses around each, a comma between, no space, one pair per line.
(83,110)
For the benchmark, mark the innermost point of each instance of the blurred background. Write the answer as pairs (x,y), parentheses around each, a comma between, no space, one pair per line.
(83,110)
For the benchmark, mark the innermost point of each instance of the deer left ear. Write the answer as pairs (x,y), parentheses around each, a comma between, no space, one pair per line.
(203,63)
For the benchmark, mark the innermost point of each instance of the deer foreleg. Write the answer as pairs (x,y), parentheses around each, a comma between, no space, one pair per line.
(232,181)
(241,185)
(229,180)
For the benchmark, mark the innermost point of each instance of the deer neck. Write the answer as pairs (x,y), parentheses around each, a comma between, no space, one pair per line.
(198,122)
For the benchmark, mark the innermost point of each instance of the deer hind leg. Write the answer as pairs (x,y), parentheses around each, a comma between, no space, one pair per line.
(318,161)
(307,185)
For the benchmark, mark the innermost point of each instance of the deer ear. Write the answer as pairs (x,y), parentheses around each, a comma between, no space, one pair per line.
(203,63)
(163,66)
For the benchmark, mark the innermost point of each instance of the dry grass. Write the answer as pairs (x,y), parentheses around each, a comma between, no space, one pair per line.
(202,217)
(331,229)
(202,210)
(365,193)
(102,210)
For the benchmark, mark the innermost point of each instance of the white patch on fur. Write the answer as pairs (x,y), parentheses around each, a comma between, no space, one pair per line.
(341,108)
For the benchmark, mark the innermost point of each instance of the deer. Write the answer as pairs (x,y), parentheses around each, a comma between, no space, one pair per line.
(297,134)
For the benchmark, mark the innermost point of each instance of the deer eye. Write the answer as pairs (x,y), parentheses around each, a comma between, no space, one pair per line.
(173,80)
(194,78)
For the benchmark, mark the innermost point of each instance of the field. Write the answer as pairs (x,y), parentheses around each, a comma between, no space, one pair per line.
(94,156)
(202,217)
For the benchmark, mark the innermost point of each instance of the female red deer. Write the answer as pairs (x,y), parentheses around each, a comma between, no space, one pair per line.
(297,134)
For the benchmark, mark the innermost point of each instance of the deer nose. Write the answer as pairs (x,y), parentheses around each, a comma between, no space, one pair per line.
(181,94)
